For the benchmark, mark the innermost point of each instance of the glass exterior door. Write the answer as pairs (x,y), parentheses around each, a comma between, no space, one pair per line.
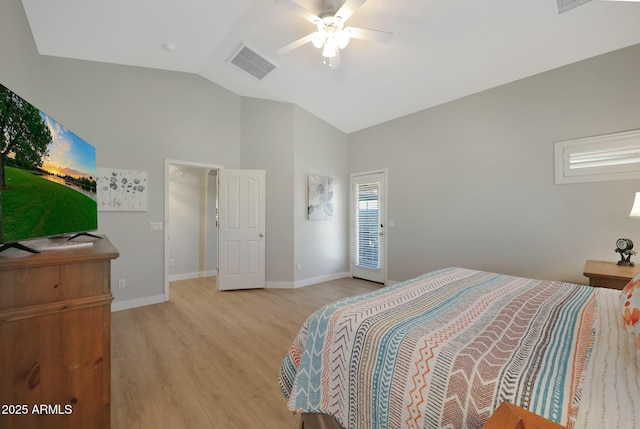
(368,227)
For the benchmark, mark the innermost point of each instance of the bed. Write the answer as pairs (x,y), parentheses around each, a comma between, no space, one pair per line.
(446,349)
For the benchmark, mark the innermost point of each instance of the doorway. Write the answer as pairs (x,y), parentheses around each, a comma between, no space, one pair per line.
(190,241)
(368,225)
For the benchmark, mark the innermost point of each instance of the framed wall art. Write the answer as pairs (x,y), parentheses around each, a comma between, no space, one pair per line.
(320,204)
(122,190)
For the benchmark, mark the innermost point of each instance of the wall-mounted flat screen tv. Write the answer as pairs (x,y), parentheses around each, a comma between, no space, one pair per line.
(47,175)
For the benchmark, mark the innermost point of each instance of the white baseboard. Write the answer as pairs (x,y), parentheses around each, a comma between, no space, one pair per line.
(279,285)
(327,278)
(307,282)
(138,302)
(194,275)
(157,299)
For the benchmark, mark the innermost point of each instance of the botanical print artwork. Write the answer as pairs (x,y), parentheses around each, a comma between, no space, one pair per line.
(320,205)
(122,190)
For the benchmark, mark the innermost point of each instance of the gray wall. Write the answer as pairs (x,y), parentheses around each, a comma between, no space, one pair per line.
(471,182)
(139,117)
(267,143)
(290,144)
(321,247)
(136,118)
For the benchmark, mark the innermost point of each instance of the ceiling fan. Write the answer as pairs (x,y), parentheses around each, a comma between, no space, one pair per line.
(331,35)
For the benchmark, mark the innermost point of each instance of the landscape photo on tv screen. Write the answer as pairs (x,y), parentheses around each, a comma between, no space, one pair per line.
(47,174)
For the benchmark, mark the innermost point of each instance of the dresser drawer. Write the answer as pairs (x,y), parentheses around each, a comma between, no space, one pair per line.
(49,284)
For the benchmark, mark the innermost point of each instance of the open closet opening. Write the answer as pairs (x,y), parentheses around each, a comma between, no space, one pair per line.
(191,233)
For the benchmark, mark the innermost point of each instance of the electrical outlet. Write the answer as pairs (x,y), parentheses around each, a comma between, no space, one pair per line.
(155,226)
(298,266)
(172,262)
(122,283)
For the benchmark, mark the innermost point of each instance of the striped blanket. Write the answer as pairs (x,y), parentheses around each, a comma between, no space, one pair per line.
(443,351)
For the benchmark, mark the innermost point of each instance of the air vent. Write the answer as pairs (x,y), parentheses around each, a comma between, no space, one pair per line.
(565,5)
(252,63)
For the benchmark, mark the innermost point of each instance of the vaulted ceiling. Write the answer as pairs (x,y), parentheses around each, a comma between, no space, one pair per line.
(441,49)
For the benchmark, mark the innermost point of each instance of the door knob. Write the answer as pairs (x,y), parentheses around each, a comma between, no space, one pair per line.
(261,234)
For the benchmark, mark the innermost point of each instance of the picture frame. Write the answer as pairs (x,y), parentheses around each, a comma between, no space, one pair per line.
(121,190)
(320,203)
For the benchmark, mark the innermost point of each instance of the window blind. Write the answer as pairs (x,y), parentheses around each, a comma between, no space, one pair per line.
(600,158)
(367,219)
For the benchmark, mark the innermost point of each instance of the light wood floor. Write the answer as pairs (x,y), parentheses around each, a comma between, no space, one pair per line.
(210,359)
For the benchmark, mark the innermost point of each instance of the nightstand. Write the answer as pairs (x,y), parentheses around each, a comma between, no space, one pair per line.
(609,274)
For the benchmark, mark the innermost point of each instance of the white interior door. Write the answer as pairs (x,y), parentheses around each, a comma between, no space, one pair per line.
(368,227)
(241,229)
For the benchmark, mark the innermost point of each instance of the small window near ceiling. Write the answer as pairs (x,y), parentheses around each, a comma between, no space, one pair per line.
(598,159)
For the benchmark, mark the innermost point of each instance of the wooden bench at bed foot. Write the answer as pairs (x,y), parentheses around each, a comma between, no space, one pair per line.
(506,416)
(509,416)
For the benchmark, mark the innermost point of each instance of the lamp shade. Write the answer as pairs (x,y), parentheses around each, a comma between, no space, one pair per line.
(635,210)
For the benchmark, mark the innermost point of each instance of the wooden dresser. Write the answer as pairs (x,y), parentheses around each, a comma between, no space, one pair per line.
(55,338)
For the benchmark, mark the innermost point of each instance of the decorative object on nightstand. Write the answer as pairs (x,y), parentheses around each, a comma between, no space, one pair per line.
(624,247)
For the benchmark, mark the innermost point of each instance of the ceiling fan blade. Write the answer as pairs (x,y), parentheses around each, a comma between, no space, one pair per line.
(295,7)
(348,8)
(296,44)
(375,35)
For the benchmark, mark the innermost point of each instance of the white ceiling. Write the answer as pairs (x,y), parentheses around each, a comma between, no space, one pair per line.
(441,49)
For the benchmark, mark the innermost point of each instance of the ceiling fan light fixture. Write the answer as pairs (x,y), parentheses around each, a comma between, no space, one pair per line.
(329,50)
(318,38)
(331,35)
(342,38)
